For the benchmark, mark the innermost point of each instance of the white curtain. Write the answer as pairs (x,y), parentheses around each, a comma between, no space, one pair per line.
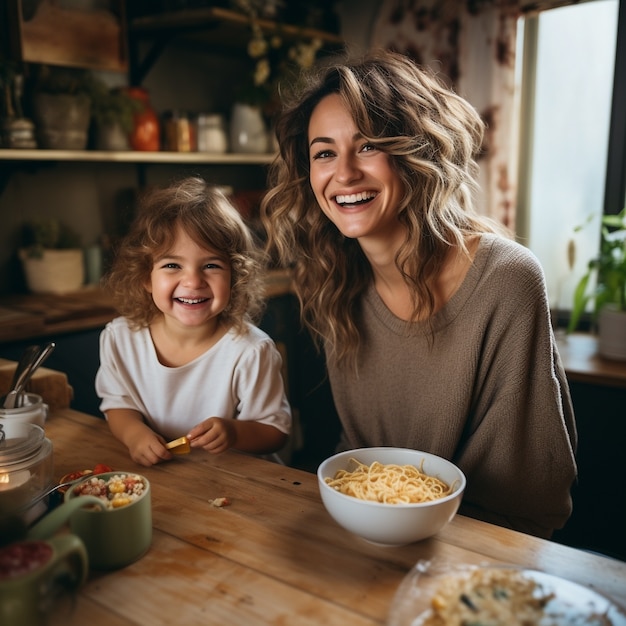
(471,44)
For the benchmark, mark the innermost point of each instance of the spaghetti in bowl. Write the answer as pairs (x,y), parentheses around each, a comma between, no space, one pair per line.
(390,496)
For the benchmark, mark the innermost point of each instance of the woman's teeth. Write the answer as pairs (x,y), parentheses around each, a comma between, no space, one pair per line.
(355,197)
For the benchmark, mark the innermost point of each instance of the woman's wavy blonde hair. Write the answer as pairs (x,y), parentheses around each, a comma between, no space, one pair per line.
(433,137)
(207,216)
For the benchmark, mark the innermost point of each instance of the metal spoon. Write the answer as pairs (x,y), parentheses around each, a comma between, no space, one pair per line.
(47,493)
(41,357)
(26,360)
(15,397)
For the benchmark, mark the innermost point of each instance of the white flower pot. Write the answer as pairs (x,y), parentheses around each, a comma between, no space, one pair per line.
(248,132)
(612,333)
(57,271)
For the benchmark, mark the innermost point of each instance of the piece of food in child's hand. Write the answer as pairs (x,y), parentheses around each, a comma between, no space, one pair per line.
(179,446)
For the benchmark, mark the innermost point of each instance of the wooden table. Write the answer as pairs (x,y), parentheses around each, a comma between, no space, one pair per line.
(274,556)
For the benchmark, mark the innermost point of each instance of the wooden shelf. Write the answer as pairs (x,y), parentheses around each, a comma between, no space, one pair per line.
(230,23)
(216,30)
(136,157)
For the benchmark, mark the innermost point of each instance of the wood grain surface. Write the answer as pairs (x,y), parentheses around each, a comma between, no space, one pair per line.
(274,555)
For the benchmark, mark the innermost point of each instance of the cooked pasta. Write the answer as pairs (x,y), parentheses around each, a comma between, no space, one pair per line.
(389,484)
(489,597)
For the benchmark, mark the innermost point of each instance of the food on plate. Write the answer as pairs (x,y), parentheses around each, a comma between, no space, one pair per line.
(487,596)
(117,491)
(511,597)
(389,484)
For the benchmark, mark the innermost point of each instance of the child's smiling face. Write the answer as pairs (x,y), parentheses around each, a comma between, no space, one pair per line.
(190,284)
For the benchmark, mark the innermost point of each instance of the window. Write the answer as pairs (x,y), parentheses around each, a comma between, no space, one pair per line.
(567,73)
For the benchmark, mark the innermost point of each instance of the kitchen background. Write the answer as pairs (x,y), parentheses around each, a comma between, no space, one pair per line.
(198,56)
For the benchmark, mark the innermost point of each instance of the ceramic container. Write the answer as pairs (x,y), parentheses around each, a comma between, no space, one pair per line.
(34,411)
(56,271)
(612,333)
(392,524)
(248,133)
(146,133)
(33,573)
(114,537)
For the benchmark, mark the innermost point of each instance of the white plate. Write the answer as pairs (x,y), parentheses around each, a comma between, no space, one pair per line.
(572,604)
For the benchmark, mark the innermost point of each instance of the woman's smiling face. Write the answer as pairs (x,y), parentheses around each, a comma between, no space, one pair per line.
(353,181)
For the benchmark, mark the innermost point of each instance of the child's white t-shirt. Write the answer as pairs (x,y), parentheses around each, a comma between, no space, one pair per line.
(239,377)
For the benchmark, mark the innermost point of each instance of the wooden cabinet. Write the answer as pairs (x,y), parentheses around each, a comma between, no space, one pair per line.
(598,389)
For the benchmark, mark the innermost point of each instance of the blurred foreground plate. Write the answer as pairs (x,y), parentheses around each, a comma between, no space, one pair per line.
(570,604)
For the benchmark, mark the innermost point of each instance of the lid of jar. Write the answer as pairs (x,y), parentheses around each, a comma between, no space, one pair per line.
(21,442)
(211,118)
(175,114)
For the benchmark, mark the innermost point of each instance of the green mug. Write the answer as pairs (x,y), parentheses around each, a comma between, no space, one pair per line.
(113,537)
(34,573)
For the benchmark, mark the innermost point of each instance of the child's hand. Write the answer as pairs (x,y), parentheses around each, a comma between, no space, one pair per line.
(147,448)
(214,435)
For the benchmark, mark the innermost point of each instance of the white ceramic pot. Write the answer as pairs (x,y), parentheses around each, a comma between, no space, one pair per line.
(612,333)
(56,271)
(34,411)
(248,132)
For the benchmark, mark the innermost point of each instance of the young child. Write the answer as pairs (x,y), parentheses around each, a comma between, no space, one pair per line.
(184,357)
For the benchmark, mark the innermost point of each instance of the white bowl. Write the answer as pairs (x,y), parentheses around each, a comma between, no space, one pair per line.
(391,524)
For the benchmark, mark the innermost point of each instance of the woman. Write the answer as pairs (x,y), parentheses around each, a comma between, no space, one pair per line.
(435,325)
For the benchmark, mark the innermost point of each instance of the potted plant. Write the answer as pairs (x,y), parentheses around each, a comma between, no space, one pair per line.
(113,111)
(609,294)
(51,257)
(61,107)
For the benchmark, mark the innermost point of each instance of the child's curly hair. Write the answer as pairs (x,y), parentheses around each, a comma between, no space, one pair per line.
(206,215)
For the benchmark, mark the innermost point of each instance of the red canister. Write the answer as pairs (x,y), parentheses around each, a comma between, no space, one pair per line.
(146,134)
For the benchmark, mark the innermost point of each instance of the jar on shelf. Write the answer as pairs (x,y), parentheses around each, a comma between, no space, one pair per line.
(179,132)
(146,133)
(248,132)
(211,133)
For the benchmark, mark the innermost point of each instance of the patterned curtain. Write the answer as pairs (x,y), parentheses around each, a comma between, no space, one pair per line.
(471,44)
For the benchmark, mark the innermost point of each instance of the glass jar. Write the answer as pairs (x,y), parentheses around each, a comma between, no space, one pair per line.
(212,136)
(179,135)
(26,466)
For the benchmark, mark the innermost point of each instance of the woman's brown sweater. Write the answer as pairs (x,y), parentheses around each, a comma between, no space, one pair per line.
(487,391)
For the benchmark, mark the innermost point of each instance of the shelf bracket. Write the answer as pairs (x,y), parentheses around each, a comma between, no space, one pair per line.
(139,68)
